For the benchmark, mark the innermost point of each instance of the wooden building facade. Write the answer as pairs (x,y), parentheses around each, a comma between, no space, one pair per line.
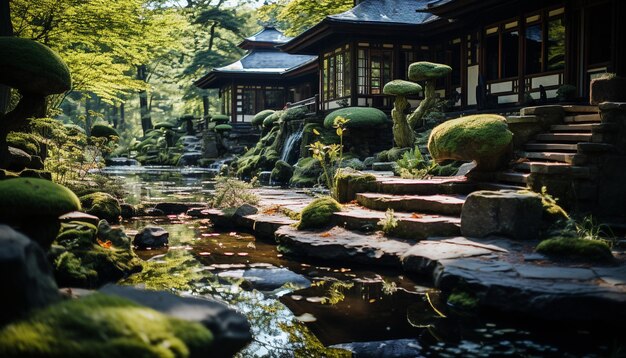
(503,52)
(265,78)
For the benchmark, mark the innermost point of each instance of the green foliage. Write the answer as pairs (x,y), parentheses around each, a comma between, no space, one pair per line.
(102,205)
(330,156)
(293,114)
(165,125)
(98,325)
(260,117)
(104,131)
(318,213)
(27,142)
(36,198)
(349,182)
(220,119)
(391,155)
(223,128)
(389,224)
(359,117)
(232,193)
(463,300)
(413,165)
(296,16)
(420,71)
(402,88)
(272,119)
(178,272)
(32,67)
(576,249)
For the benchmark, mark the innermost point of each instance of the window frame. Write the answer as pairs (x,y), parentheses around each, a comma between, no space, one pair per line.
(336,71)
(364,75)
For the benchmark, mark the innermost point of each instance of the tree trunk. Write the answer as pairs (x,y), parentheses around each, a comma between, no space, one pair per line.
(114,116)
(417,117)
(205,106)
(6,29)
(122,116)
(146,120)
(88,118)
(403,134)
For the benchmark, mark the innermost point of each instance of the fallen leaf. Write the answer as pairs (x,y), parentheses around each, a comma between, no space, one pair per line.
(106,244)
(416,216)
(326,234)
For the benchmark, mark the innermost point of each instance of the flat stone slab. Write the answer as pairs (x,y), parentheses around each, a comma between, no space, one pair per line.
(399,348)
(453,185)
(265,226)
(438,204)
(341,245)
(267,279)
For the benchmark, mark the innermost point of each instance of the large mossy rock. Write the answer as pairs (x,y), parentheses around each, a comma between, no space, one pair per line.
(32,67)
(507,213)
(349,182)
(27,280)
(103,205)
(88,257)
(25,141)
(260,117)
(221,128)
(484,138)
(306,173)
(282,172)
(99,325)
(272,119)
(359,117)
(576,249)
(33,206)
(318,213)
(220,119)
(103,131)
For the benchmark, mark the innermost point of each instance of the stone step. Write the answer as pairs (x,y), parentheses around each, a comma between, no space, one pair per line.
(582,118)
(409,226)
(561,169)
(551,147)
(578,128)
(580,109)
(551,156)
(564,137)
(437,204)
(453,185)
(513,177)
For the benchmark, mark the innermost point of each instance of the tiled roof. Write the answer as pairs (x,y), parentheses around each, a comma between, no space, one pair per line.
(270,61)
(387,11)
(269,34)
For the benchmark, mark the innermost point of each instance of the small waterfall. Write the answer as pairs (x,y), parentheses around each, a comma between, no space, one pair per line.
(291,148)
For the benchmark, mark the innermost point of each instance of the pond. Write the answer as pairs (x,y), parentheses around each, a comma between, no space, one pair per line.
(301,307)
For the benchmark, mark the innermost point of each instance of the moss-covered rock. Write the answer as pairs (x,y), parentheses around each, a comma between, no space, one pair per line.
(89,257)
(220,128)
(484,138)
(25,141)
(318,213)
(33,206)
(391,155)
(293,114)
(359,117)
(103,205)
(164,125)
(350,182)
(420,71)
(220,119)
(272,119)
(402,88)
(260,117)
(32,67)
(281,173)
(103,131)
(306,173)
(103,326)
(35,173)
(576,249)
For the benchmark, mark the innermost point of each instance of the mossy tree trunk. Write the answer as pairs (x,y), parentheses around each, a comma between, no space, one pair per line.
(403,134)
(146,119)
(416,119)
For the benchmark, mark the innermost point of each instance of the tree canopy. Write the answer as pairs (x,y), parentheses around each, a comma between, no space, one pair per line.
(296,16)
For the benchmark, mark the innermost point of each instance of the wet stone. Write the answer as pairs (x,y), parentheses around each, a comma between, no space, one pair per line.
(151,237)
(392,348)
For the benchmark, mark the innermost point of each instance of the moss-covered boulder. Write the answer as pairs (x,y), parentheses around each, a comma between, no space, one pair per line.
(87,256)
(103,205)
(260,117)
(281,173)
(422,71)
(576,249)
(32,67)
(103,131)
(25,141)
(484,138)
(318,213)
(33,206)
(391,155)
(221,128)
(306,173)
(164,125)
(99,325)
(349,182)
(359,117)
(293,114)
(220,118)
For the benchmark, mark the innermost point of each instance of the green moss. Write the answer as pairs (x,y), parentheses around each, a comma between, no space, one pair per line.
(32,67)
(484,138)
(360,117)
(391,155)
(91,258)
(74,129)
(306,173)
(272,119)
(349,182)
(177,272)
(103,131)
(576,249)
(102,205)
(166,125)
(282,172)
(293,114)
(34,173)
(220,119)
(103,326)
(35,198)
(402,88)
(463,300)
(260,117)
(223,128)
(420,71)
(25,141)
(318,213)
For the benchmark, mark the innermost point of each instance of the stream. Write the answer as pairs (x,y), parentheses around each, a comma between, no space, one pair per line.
(300,307)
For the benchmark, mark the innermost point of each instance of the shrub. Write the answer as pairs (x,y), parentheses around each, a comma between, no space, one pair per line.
(293,114)
(220,119)
(103,131)
(260,117)
(358,117)
(576,249)
(273,118)
(318,213)
(389,224)
(231,192)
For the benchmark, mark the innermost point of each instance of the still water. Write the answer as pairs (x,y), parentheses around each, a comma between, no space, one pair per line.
(300,308)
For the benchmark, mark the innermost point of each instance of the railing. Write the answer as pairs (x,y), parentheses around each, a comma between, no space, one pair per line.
(312,104)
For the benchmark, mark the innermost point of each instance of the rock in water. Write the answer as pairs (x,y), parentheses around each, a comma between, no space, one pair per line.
(25,275)
(151,237)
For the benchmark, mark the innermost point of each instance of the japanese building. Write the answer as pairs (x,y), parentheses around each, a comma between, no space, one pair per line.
(265,78)
(503,52)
